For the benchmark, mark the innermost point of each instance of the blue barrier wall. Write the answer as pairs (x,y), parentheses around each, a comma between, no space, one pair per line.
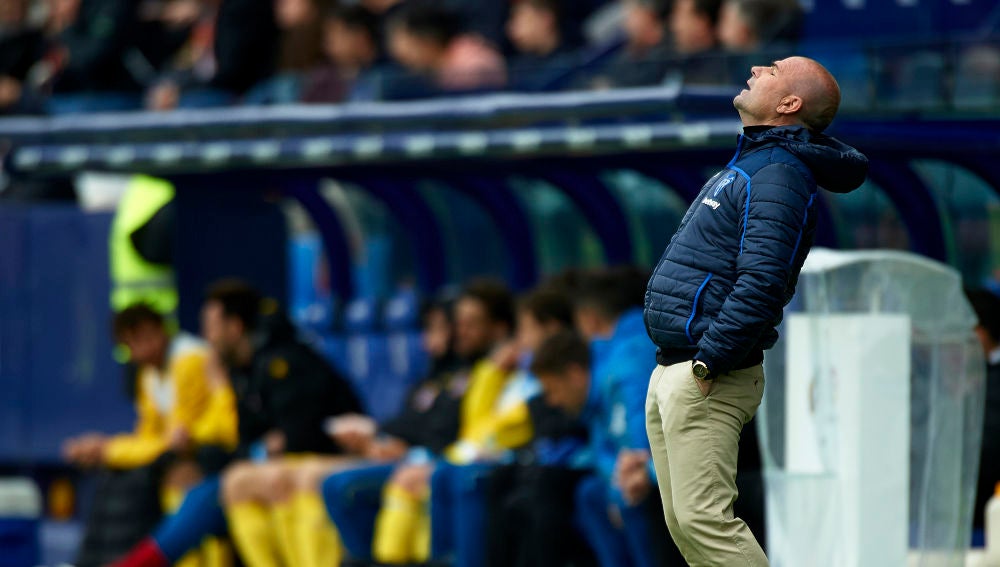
(56,371)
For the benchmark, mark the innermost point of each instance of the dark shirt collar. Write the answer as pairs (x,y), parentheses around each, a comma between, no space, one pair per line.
(754,130)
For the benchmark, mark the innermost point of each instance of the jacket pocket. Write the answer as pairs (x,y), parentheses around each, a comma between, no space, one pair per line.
(694,308)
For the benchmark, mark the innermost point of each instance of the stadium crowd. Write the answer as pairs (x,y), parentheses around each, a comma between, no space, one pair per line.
(63,56)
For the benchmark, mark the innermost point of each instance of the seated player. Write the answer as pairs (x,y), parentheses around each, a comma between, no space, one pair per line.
(181,410)
(610,504)
(428,419)
(459,487)
(484,316)
(457,505)
(284,392)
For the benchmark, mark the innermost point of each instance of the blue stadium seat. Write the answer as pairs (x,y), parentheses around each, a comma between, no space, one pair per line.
(334,349)
(312,307)
(407,358)
(367,355)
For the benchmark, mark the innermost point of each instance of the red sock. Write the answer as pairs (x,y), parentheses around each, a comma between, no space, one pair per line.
(145,554)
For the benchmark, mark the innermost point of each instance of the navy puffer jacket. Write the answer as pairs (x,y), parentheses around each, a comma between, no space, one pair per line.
(718,292)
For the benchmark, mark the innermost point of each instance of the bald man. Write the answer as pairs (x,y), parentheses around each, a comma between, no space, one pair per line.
(716,298)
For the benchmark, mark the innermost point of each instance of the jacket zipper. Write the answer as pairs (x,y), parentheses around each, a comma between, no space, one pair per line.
(694,308)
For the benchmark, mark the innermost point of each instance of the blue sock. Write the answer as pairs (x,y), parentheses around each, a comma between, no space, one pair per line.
(199,516)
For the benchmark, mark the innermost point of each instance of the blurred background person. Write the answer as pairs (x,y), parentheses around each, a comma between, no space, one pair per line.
(289,488)
(235,49)
(431,42)
(699,61)
(180,410)
(545,44)
(609,505)
(648,46)
(300,49)
(21,45)
(86,65)
(752,25)
(352,48)
(529,505)
(284,391)
(620,521)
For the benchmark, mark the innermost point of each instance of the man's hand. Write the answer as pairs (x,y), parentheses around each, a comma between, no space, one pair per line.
(353,432)
(704,385)
(414,479)
(628,461)
(388,449)
(635,486)
(10,91)
(632,475)
(85,451)
(180,440)
(181,13)
(274,443)
(506,355)
(164,96)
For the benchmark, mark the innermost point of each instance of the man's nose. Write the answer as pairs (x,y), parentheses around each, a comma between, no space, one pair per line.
(754,70)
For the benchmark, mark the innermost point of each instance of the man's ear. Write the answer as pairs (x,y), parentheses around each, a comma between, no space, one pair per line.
(789,104)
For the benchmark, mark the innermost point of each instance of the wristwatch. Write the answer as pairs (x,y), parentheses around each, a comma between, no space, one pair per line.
(700,370)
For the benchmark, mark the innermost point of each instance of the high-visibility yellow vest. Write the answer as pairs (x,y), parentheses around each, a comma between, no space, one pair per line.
(133,279)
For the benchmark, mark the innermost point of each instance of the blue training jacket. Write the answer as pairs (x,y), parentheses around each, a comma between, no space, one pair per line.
(615,412)
(718,291)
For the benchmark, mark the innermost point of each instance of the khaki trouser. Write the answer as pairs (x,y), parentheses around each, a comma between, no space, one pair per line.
(695,442)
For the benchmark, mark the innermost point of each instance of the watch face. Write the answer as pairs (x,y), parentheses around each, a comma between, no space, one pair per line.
(700,371)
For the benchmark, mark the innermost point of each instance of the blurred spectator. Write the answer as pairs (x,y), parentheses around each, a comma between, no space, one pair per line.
(648,47)
(750,25)
(300,49)
(429,40)
(693,24)
(165,27)
(380,7)
(351,46)
(301,25)
(987,308)
(234,53)
(539,33)
(91,47)
(20,47)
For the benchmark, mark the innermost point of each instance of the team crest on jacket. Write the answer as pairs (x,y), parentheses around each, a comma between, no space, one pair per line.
(719,186)
(725,182)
